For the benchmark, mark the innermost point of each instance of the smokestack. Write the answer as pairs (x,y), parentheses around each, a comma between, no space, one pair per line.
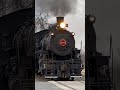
(60,20)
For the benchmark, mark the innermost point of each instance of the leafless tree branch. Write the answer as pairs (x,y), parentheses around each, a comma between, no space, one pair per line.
(41,21)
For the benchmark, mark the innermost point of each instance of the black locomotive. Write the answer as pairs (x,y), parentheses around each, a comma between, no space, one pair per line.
(56,55)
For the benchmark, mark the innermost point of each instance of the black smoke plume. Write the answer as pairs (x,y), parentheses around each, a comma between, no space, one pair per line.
(57,7)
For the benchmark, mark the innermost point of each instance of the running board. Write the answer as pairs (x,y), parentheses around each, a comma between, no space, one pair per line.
(57,77)
(51,77)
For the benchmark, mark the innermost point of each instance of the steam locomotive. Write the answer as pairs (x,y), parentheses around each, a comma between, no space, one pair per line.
(56,55)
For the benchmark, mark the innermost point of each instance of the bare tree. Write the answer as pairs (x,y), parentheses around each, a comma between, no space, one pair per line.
(41,21)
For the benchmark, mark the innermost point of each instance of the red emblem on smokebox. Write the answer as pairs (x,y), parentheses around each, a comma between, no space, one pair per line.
(62,42)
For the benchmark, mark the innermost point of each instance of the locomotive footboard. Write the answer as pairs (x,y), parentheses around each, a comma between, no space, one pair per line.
(61,69)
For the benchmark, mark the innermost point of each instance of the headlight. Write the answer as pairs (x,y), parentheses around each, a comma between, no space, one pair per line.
(52,34)
(62,25)
(73,33)
(92,18)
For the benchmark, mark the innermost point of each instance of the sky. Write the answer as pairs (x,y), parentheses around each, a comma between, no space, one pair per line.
(76,23)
